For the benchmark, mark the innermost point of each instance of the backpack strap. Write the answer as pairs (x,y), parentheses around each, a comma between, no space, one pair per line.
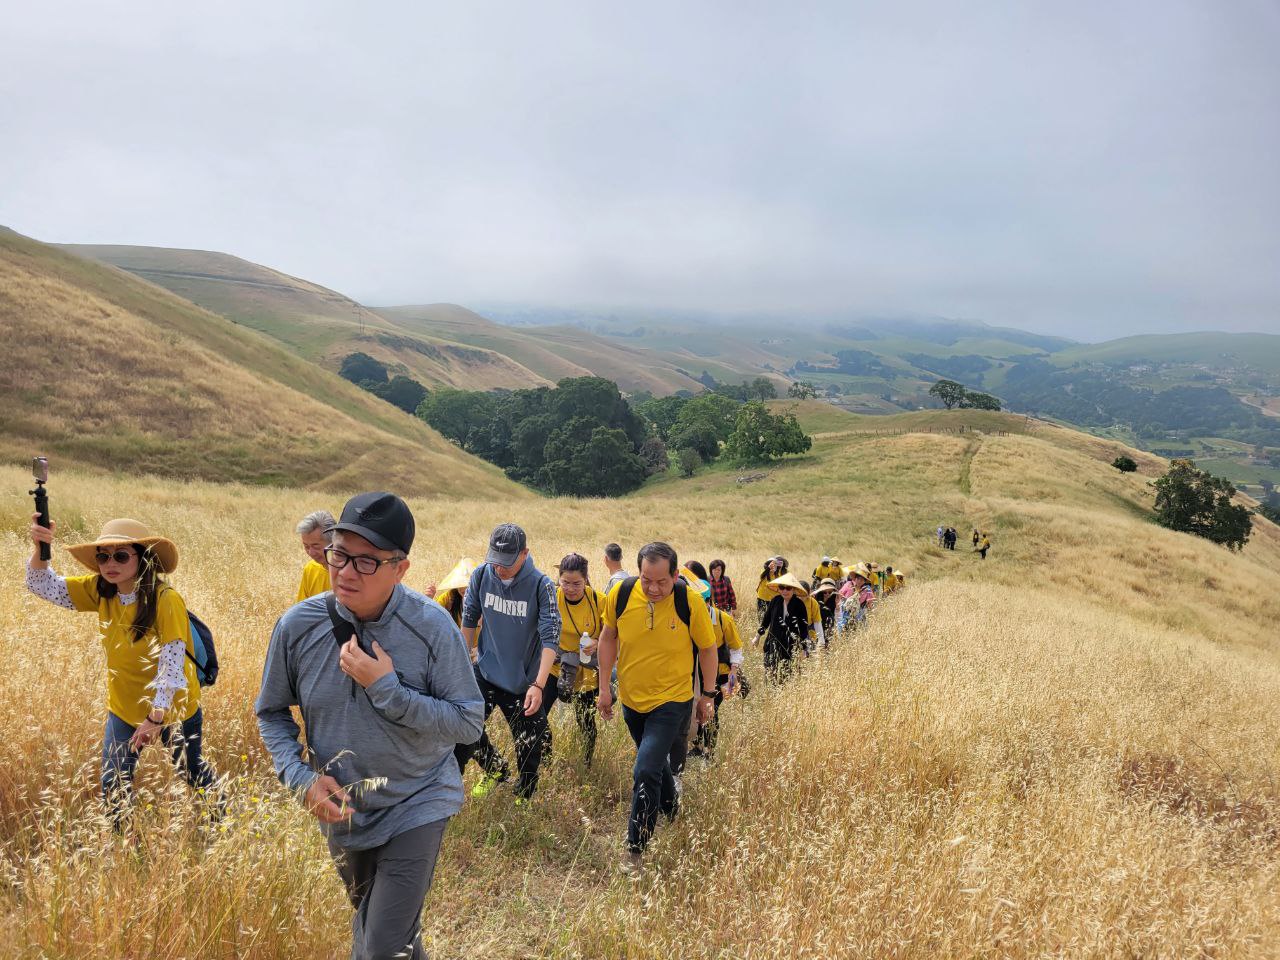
(624,595)
(681,592)
(342,630)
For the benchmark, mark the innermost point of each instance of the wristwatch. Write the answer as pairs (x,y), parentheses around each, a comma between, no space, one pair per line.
(709,696)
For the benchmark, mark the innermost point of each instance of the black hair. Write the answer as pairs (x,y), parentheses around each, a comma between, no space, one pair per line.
(697,569)
(718,563)
(574,563)
(764,571)
(613,551)
(147,591)
(658,551)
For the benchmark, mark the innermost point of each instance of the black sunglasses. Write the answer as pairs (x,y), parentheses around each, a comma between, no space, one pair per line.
(120,556)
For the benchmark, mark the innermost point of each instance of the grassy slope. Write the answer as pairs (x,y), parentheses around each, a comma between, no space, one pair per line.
(1260,350)
(553,352)
(316,323)
(1068,749)
(104,369)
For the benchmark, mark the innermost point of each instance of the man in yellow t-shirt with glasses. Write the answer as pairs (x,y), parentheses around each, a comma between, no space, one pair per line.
(652,623)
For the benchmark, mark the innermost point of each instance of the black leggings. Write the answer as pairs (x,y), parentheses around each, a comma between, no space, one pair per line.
(584,712)
(709,732)
(777,659)
(529,734)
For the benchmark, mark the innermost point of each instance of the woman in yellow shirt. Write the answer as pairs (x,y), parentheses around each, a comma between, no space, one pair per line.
(774,567)
(152,689)
(580,622)
(729,653)
(452,590)
(315,529)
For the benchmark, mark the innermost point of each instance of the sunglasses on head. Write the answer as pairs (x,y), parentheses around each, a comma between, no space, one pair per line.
(120,556)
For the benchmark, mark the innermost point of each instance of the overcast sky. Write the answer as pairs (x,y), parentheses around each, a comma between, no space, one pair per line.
(1088,169)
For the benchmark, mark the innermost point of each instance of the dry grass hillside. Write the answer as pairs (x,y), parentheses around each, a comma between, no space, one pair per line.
(558,351)
(314,322)
(105,370)
(1070,749)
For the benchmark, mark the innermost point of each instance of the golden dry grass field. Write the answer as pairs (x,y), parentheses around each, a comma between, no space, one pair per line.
(1071,749)
(105,370)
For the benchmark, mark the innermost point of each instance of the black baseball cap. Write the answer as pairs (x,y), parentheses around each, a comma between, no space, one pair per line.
(505,544)
(381,518)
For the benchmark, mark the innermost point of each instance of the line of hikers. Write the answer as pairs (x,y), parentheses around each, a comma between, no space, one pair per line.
(947,537)
(394,687)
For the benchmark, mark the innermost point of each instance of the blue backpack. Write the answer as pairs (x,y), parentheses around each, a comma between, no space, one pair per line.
(206,656)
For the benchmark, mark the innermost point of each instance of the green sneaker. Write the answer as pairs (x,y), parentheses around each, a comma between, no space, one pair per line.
(485,786)
(522,801)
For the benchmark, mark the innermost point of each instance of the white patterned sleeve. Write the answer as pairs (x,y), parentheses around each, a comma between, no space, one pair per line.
(170,676)
(47,585)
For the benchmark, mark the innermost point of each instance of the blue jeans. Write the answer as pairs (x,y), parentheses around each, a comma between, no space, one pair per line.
(653,788)
(119,761)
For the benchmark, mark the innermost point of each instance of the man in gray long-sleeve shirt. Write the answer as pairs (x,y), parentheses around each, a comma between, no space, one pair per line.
(386,690)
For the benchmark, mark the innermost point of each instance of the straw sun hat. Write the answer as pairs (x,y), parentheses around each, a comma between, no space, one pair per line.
(789,580)
(123,532)
(459,577)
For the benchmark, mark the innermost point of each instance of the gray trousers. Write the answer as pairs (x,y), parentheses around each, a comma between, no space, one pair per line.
(387,886)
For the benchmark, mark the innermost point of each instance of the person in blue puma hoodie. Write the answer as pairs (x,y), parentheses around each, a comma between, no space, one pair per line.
(386,691)
(512,605)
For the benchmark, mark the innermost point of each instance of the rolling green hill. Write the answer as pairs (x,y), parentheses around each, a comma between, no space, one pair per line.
(553,352)
(314,322)
(1260,351)
(105,370)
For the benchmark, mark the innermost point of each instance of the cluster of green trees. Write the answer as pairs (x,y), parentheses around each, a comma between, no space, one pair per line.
(1192,501)
(968,368)
(582,438)
(579,438)
(373,375)
(954,394)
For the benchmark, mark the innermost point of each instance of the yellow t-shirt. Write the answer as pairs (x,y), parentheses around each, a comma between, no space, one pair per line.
(822,572)
(132,665)
(727,634)
(655,663)
(815,614)
(764,591)
(315,581)
(585,616)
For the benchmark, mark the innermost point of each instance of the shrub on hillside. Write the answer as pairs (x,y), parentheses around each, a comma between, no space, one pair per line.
(363,369)
(1192,501)
(689,460)
(1125,464)
(759,436)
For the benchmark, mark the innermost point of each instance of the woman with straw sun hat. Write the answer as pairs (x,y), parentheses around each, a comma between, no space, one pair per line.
(452,590)
(152,689)
(785,625)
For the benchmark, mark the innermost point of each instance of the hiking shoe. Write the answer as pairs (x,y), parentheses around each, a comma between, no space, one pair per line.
(632,865)
(522,801)
(485,786)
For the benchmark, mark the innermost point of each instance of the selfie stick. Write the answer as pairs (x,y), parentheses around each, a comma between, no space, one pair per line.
(42,508)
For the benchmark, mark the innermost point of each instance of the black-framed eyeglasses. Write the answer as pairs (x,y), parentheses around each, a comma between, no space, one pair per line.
(120,556)
(365,565)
